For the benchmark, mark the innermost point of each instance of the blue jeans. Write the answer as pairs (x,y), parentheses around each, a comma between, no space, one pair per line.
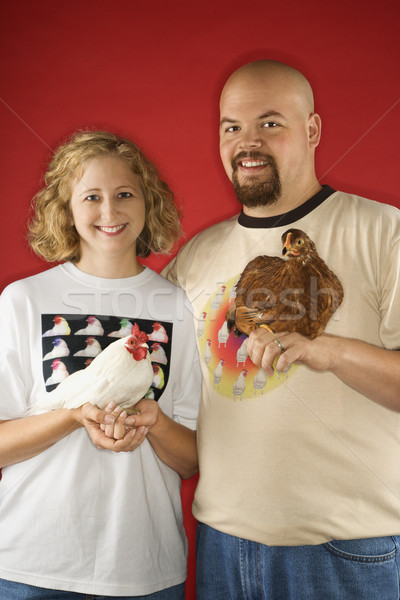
(11,590)
(231,568)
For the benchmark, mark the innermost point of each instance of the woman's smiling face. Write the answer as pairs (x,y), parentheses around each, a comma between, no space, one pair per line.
(108,211)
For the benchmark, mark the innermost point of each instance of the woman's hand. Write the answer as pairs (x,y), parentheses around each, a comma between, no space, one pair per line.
(109,430)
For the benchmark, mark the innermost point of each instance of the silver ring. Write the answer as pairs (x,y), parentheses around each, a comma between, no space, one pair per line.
(281,348)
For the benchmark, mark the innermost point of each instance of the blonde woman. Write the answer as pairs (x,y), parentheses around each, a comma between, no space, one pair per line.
(90,499)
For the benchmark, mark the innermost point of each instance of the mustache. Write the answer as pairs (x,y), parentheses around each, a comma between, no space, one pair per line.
(252,154)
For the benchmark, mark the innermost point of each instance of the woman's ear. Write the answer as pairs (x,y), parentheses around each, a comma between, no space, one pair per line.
(314,129)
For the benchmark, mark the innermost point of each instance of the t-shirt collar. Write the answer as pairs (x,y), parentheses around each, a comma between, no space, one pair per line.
(287,218)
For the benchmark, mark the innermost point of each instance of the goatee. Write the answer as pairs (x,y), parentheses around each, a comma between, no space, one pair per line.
(252,192)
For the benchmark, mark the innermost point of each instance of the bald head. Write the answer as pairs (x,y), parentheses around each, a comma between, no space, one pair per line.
(273,74)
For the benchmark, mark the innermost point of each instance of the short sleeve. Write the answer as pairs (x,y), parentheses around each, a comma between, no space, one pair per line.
(13,376)
(390,299)
(186,403)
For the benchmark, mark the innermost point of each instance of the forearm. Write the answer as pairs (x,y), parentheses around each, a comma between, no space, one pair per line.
(175,445)
(24,438)
(372,371)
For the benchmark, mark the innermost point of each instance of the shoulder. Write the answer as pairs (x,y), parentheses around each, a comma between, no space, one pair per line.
(168,290)
(356,213)
(211,235)
(200,248)
(38,282)
(159,282)
(364,206)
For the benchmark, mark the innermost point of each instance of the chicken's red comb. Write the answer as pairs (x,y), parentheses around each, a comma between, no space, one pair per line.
(141,336)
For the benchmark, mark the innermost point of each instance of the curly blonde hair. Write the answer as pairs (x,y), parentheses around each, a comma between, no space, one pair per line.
(51,233)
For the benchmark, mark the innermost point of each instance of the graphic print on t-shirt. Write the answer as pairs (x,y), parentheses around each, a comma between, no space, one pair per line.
(231,372)
(71,342)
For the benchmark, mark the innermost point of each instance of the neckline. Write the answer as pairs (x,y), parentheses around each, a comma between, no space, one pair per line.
(289,217)
(105,283)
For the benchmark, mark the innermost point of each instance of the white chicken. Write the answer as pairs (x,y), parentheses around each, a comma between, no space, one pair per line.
(240,385)
(158,379)
(94,327)
(58,372)
(218,298)
(122,373)
(92,348)
(124,330)
(158,334)
(201,324)
(61,327)
(158,354)
(260,380)
(207,352)
(242,354)
(218,373)
(60,349)
(223,334)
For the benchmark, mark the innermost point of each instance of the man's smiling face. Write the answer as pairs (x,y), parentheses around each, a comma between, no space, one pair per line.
(265,135)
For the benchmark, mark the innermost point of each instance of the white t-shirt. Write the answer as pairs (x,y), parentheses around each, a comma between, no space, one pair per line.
(297,458)
(74,517)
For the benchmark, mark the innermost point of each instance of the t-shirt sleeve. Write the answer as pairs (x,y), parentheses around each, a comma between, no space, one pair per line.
(186,402)
(14,382)
(390,299)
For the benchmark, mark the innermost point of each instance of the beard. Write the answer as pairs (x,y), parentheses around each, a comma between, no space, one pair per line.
(253,193)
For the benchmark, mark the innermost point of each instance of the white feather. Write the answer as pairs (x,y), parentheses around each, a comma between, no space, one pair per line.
(114,375)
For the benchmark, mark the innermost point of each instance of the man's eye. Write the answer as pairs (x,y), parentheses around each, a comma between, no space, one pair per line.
(270,124)
(232,128)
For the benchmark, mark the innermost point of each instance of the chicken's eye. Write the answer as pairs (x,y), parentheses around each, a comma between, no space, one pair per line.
(299,242)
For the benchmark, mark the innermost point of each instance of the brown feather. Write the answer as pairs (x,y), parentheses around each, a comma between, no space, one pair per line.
(299,293)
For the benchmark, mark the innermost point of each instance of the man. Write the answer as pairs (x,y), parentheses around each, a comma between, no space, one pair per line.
(298,438)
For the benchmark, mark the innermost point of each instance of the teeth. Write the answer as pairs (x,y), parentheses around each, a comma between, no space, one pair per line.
(254,163)
(112,229)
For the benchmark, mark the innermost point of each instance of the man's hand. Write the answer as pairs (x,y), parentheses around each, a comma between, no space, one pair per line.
(264,347)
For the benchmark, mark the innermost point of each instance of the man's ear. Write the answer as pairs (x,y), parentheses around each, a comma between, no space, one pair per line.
(314,129)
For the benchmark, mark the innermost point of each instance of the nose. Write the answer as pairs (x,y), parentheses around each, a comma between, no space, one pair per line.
(250,139)
(109,210)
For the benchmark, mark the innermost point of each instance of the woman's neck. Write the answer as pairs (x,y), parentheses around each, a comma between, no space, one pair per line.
(110,269)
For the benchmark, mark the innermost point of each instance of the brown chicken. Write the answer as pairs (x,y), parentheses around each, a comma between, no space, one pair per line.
(295,293)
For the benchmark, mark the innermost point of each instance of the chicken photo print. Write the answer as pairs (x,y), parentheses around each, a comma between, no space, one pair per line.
(297,293)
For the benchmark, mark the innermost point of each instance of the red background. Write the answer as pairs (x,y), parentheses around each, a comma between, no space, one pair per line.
(152,70)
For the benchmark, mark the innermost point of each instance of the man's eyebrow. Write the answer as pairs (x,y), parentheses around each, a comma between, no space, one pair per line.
(226,120)
(271,113)
(267,115)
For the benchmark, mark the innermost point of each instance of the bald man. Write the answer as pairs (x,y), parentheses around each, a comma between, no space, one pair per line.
(299,439)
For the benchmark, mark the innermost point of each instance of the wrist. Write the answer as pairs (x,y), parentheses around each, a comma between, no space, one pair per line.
(75,414)
(159,421)
(337,353)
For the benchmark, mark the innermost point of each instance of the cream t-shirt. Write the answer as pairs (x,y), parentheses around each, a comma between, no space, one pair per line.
(297,458)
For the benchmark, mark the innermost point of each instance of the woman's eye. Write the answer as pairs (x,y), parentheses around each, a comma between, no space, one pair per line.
(92,197)
(125,195)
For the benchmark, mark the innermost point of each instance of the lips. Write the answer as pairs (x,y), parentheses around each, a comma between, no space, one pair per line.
(250,160)
(252,163)
(111,230)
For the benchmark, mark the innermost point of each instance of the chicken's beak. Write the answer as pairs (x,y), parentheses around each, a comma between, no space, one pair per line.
(287,245)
